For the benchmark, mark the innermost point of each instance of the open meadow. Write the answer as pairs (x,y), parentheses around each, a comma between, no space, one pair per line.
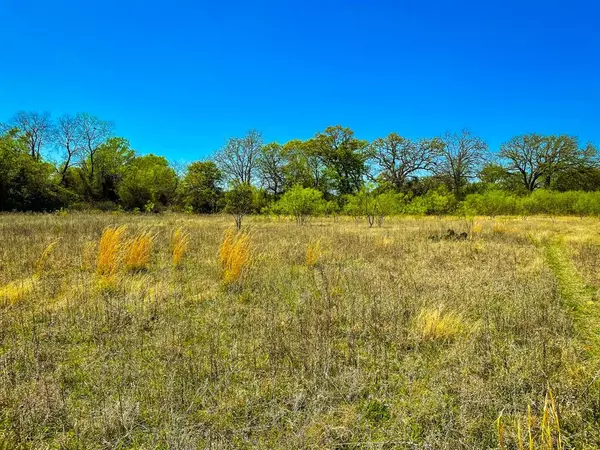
(124,331)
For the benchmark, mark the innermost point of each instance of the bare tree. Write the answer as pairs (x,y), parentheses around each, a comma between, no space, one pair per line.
(93,133)
(459,157)
(238,159)
(536,159)
(271,166)
(397,158)
(69,140)
(36,128)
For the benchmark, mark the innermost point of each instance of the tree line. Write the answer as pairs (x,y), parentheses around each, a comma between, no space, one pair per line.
(77,161)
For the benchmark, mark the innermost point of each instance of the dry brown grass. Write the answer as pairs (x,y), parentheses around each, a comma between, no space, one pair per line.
(388,340)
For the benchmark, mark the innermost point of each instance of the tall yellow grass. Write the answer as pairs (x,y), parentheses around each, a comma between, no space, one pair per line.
(109,250)
(139,251)
(180,241)
(41,263)
(234,255)
(435,324)
(313,253)
(543,433)
(499,228)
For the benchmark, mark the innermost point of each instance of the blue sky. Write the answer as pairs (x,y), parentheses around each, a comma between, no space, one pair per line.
(178,78)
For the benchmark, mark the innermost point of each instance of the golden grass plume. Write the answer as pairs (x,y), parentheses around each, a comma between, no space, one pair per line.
(110,250)
(541,432)
(180,241)
(435,324)
(42,262)
(138,251)
(234,255)
(313,253)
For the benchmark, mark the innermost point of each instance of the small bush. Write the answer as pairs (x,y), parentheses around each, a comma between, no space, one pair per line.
(301,203)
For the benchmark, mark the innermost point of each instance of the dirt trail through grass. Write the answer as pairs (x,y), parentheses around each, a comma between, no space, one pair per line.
(580,298)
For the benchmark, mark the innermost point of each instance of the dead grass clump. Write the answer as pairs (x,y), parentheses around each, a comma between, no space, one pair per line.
(436,325)
(180,241)
(313,253)
(499,228)
(109,250)
(138,252)
(234,255)
(17,291)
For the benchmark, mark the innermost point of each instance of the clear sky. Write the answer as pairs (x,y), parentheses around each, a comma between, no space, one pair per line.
(178,78)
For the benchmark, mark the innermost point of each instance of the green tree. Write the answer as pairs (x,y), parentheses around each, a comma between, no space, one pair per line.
(304,166)
(344,156)
(459,159)
(27,183)
(239,202)
(375,207)
(238,158)
(397,158)
(147,180)
(112,158)
(200,187)
(92,133)
(271,167)
(301,203)
(537,159)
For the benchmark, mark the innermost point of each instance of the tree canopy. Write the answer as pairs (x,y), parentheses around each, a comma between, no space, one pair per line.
(77,161)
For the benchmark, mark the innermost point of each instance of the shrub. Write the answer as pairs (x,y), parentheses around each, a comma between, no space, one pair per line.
(439,203)
(301,203)
(492,203)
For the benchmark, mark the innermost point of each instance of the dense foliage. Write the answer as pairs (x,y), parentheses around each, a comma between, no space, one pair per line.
(78,162)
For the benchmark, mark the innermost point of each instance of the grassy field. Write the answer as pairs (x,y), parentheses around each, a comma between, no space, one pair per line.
(170,333)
